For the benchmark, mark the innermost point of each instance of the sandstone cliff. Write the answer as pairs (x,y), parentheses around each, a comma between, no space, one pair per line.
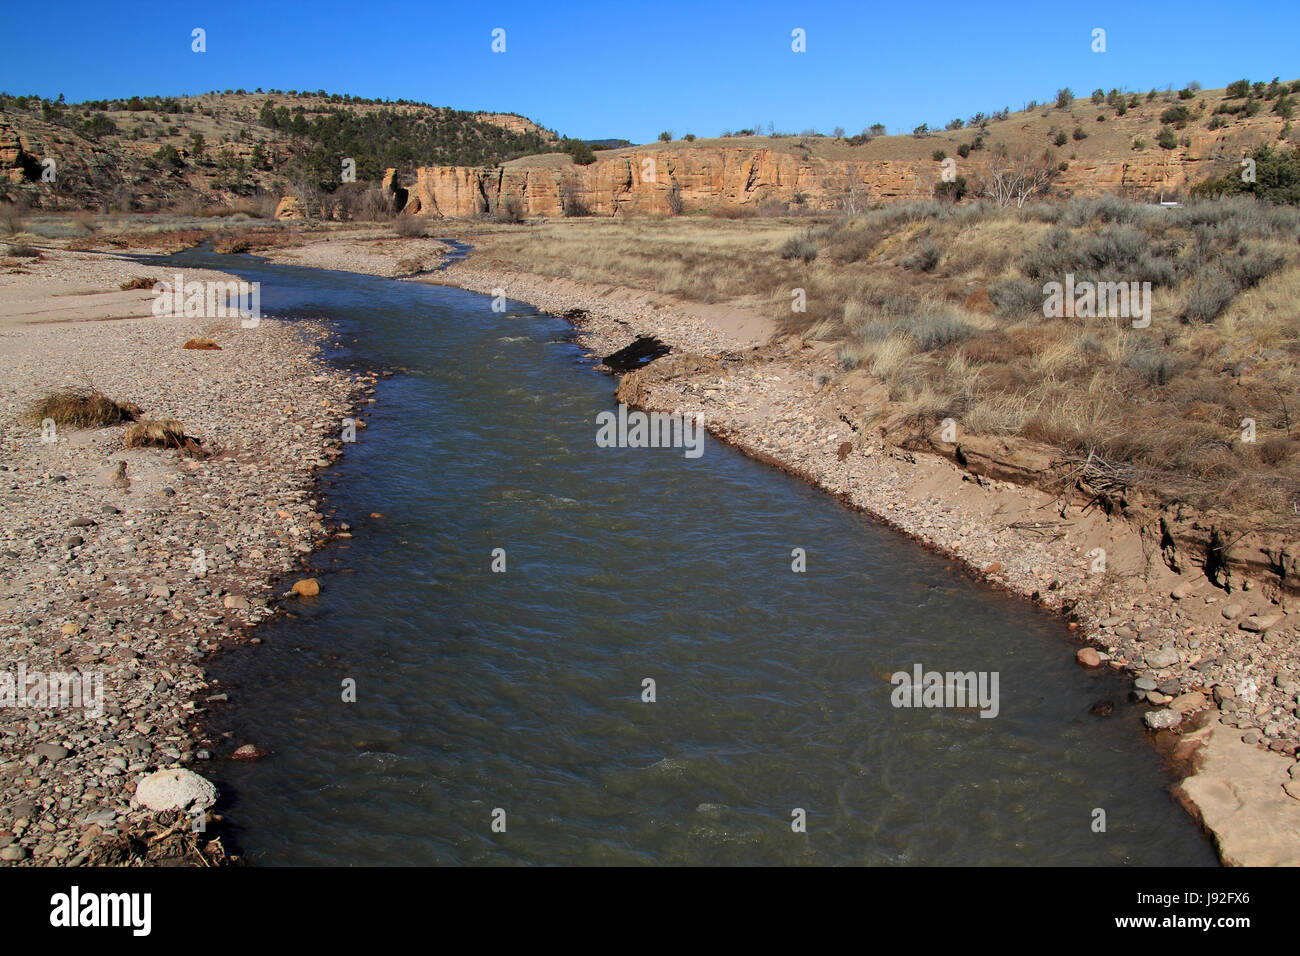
(653,182)
(657,181)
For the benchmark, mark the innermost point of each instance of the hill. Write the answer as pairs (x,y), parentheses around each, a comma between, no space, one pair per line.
(223,149)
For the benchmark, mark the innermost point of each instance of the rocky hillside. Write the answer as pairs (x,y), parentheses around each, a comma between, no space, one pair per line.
(234,148)
(1144,146)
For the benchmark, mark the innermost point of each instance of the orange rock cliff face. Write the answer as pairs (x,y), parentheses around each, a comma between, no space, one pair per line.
(662,182)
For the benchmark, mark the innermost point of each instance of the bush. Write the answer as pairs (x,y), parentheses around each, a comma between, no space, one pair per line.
(963,150)
(580,150)
(1016,298)
(800,247)
(951,191)
(1079,134)
(1210,294)
(934,329)
(572,203)
(1154,366)
(1064,98)
(168,156)
(1098,96)
(1175,114)
(938,156)
(1167,139)
(666,136)
(1061,138)
(1237,89)
(1277,178)
(1251,266)
(82,408)
(924,258)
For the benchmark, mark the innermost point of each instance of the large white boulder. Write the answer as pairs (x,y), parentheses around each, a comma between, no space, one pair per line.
(176,790)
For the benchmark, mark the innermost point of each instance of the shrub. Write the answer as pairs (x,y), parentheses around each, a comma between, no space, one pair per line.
(951,191)
(168,156)
(1211,291)
(933,329)
(1237,89)
(1175,114)
(666,136)
(1098,96)
(924,258)
(1154,366)
(675,203)
(1277,178)
(82,408)
(1016,298)
(1064,98)
(938,156)
(963,150)
(411,227)
(800,247)
(581,151)
(1079,133)
(1167,139)
(1251,266)
(1061,138)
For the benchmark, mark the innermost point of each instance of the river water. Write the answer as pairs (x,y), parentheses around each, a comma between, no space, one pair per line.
(517,696)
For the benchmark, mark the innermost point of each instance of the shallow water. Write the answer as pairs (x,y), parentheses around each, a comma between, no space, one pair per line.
(521,691)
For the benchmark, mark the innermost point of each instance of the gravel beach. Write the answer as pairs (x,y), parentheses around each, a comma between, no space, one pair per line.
(128,566)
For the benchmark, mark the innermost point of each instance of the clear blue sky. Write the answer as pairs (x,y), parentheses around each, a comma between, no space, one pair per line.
(624,68)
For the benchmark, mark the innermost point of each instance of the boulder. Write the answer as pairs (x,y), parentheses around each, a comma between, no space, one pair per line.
(1187,703)
(175,790)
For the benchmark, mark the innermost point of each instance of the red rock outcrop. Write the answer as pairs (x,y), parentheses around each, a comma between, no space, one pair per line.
(653,182)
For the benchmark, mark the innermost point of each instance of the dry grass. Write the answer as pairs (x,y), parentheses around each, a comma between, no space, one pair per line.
(82,408)
(163,433)
(202,345)
(139,282)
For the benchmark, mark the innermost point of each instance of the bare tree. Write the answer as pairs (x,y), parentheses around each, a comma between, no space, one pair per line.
(848,191)
(1009,180)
